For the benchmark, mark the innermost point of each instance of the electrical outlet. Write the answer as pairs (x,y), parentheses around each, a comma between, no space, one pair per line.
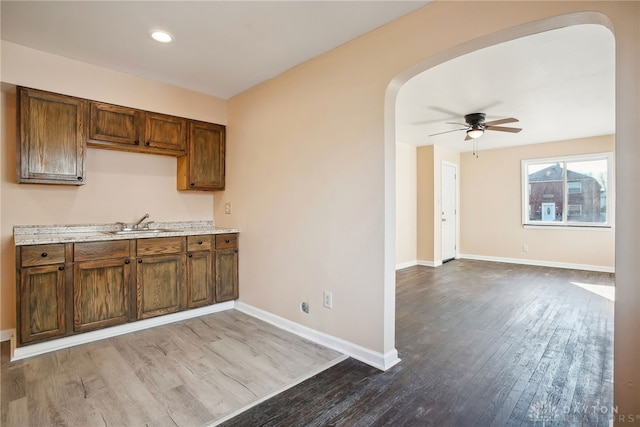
(328,299)
(227,208)
(304,307)
(525,247)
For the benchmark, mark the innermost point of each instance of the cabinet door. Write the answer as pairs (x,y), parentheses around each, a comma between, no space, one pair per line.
(42,303)
(164,132)
(51,138)
(100,294)
(199,279)
(226,271)
(204,166)
(160,285)
(113,125)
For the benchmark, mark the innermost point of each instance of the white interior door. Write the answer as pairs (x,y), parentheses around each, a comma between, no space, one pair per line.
(449,201)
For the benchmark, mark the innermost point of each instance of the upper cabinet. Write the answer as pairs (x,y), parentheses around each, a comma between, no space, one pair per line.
(122,128)
(203,166)
(50,138)
(54,131)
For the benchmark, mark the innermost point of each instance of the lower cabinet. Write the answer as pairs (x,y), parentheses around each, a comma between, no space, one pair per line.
(41,308)
(101,283)
(226,267)
(199,271)
(160,284)
(65,289)
(160,276)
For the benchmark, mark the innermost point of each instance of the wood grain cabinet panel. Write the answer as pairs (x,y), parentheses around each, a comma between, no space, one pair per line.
(41,303)
(101,293)
(203,168)
(122,128)
(160,285)
(226,267)
(200,279)
(113,124)
(51,138)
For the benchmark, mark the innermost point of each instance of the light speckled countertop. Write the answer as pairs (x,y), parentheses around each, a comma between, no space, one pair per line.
(44,234)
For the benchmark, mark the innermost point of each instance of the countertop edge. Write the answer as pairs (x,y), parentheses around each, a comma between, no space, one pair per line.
(97,233)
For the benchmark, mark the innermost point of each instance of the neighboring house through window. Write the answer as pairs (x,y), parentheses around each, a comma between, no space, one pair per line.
(567,191)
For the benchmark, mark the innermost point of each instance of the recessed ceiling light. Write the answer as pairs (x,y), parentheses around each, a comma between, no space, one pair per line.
(161,36)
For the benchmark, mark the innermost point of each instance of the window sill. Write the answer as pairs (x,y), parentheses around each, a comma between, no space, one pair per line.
(567,227)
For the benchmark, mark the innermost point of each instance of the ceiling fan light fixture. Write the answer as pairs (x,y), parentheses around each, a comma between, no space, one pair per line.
(475,132)
(161,36)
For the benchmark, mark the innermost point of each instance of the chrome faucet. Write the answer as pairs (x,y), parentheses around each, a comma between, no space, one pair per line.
(137,224)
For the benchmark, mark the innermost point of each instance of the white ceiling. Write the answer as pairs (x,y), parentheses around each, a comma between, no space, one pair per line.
(559,84)
(221,48)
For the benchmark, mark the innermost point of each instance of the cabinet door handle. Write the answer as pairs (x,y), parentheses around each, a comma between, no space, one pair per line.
(147,143)
(127,262)
(79,178)
(190,255)
(61,268)
(136,142)
(139,261)
(44,254)
(193,184)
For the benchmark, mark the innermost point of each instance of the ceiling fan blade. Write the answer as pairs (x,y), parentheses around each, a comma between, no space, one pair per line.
(501,121)
(456,123)
(447,131)
(467,137)
(503,129)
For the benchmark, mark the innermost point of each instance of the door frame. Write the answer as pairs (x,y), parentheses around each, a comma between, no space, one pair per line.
(456,169)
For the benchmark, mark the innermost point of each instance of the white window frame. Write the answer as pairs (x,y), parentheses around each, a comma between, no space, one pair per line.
(527,223)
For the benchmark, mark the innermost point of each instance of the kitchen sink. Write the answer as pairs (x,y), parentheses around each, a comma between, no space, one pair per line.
(142,231)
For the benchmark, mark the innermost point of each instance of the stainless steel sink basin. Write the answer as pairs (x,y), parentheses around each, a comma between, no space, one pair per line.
(142,231)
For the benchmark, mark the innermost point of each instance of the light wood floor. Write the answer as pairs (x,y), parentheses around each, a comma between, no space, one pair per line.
(189,373)
(482,344)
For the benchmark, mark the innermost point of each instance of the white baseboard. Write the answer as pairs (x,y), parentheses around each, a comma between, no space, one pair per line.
(541,263)
(87,337)
(6,334)
(429,263)
(376,359)
(406,264)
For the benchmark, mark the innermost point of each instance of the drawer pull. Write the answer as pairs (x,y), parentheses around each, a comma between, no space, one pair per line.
(127,262)
(190,255)
(139,261)
(61,268)
(227,241)
(200,242)
(44,254)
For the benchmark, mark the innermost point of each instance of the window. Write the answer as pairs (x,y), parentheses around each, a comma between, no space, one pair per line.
(568,191)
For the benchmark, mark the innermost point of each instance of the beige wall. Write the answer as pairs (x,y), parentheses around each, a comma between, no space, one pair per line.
(311,167)
(406,208)
(491,214)
(120,186)
(426,204)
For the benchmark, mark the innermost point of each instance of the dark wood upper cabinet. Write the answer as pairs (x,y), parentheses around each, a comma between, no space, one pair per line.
(54,131)
(123,128)
(50,138)
(203,168)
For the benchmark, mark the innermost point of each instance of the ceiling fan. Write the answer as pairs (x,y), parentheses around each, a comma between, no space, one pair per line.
(475,126)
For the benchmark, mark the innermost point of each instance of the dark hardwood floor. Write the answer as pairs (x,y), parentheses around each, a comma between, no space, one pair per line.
(482,344)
